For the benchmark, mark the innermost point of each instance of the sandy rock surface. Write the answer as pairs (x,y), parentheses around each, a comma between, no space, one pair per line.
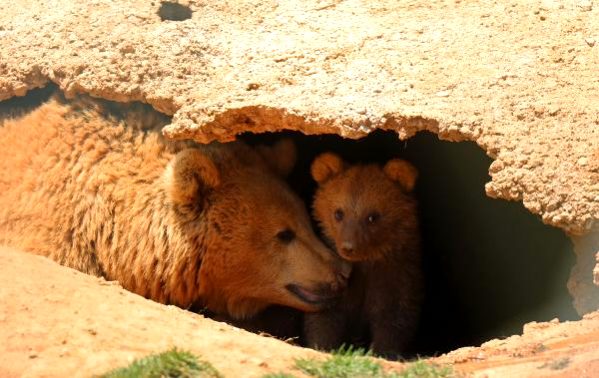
(546,349)
(520,78)
(57,322)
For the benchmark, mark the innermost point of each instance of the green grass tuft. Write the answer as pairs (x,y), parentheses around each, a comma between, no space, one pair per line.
(278,375)
(350,363)
(343,363)
(425,369)
(560,363)
(173,363)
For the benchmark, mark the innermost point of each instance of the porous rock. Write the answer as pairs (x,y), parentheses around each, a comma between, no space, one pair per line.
(520,78)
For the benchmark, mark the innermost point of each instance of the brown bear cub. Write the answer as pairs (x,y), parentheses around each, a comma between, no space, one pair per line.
(369,215)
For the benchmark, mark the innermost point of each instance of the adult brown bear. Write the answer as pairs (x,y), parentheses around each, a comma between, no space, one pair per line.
(213,226)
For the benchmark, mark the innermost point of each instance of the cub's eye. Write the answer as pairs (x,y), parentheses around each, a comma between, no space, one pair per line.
(339,215)
(373,217)
(286,236)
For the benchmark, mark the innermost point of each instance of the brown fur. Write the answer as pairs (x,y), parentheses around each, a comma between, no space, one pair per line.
(382,302)
(175,222)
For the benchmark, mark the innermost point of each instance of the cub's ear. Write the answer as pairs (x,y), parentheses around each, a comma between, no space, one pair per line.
(280,157)
(326,166)
(191,175)
(402,172)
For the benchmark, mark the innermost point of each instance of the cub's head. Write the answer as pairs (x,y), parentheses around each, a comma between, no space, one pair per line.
(256,244)
(365,210)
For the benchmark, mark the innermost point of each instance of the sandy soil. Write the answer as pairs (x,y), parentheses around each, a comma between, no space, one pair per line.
(548,349)
(57,322)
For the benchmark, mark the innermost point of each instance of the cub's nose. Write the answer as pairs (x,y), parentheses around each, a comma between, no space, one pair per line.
(347,247)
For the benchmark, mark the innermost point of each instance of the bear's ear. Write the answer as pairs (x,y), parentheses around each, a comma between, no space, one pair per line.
(192,175)
(326,166)
(402,172)
(280,157)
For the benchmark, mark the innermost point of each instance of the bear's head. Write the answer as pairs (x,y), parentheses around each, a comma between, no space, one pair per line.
(252,233)
(365,210)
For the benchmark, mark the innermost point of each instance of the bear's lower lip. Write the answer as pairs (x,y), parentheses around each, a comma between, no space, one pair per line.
(309,296)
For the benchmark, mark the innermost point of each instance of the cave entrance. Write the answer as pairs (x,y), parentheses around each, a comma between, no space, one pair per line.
(490,265)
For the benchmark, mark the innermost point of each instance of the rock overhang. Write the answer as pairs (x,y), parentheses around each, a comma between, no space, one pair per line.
(518,79)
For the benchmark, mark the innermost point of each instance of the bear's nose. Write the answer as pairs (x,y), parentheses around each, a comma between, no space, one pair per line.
(341,278)
(339,284)
(346,269)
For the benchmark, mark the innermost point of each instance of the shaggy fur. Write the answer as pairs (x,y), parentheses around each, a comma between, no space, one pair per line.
(368,214)
(211,226)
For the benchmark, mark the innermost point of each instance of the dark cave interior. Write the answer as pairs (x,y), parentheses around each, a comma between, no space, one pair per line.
(490,265)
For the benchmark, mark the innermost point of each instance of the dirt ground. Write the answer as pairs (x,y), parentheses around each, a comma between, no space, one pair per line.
(57,322)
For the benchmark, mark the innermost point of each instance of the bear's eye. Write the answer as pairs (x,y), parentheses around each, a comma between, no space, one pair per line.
(286,236)
(373,217)
(339,215)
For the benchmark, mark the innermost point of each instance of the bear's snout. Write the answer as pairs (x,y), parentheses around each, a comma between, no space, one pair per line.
(339,284)
(332,290)
(341,273)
